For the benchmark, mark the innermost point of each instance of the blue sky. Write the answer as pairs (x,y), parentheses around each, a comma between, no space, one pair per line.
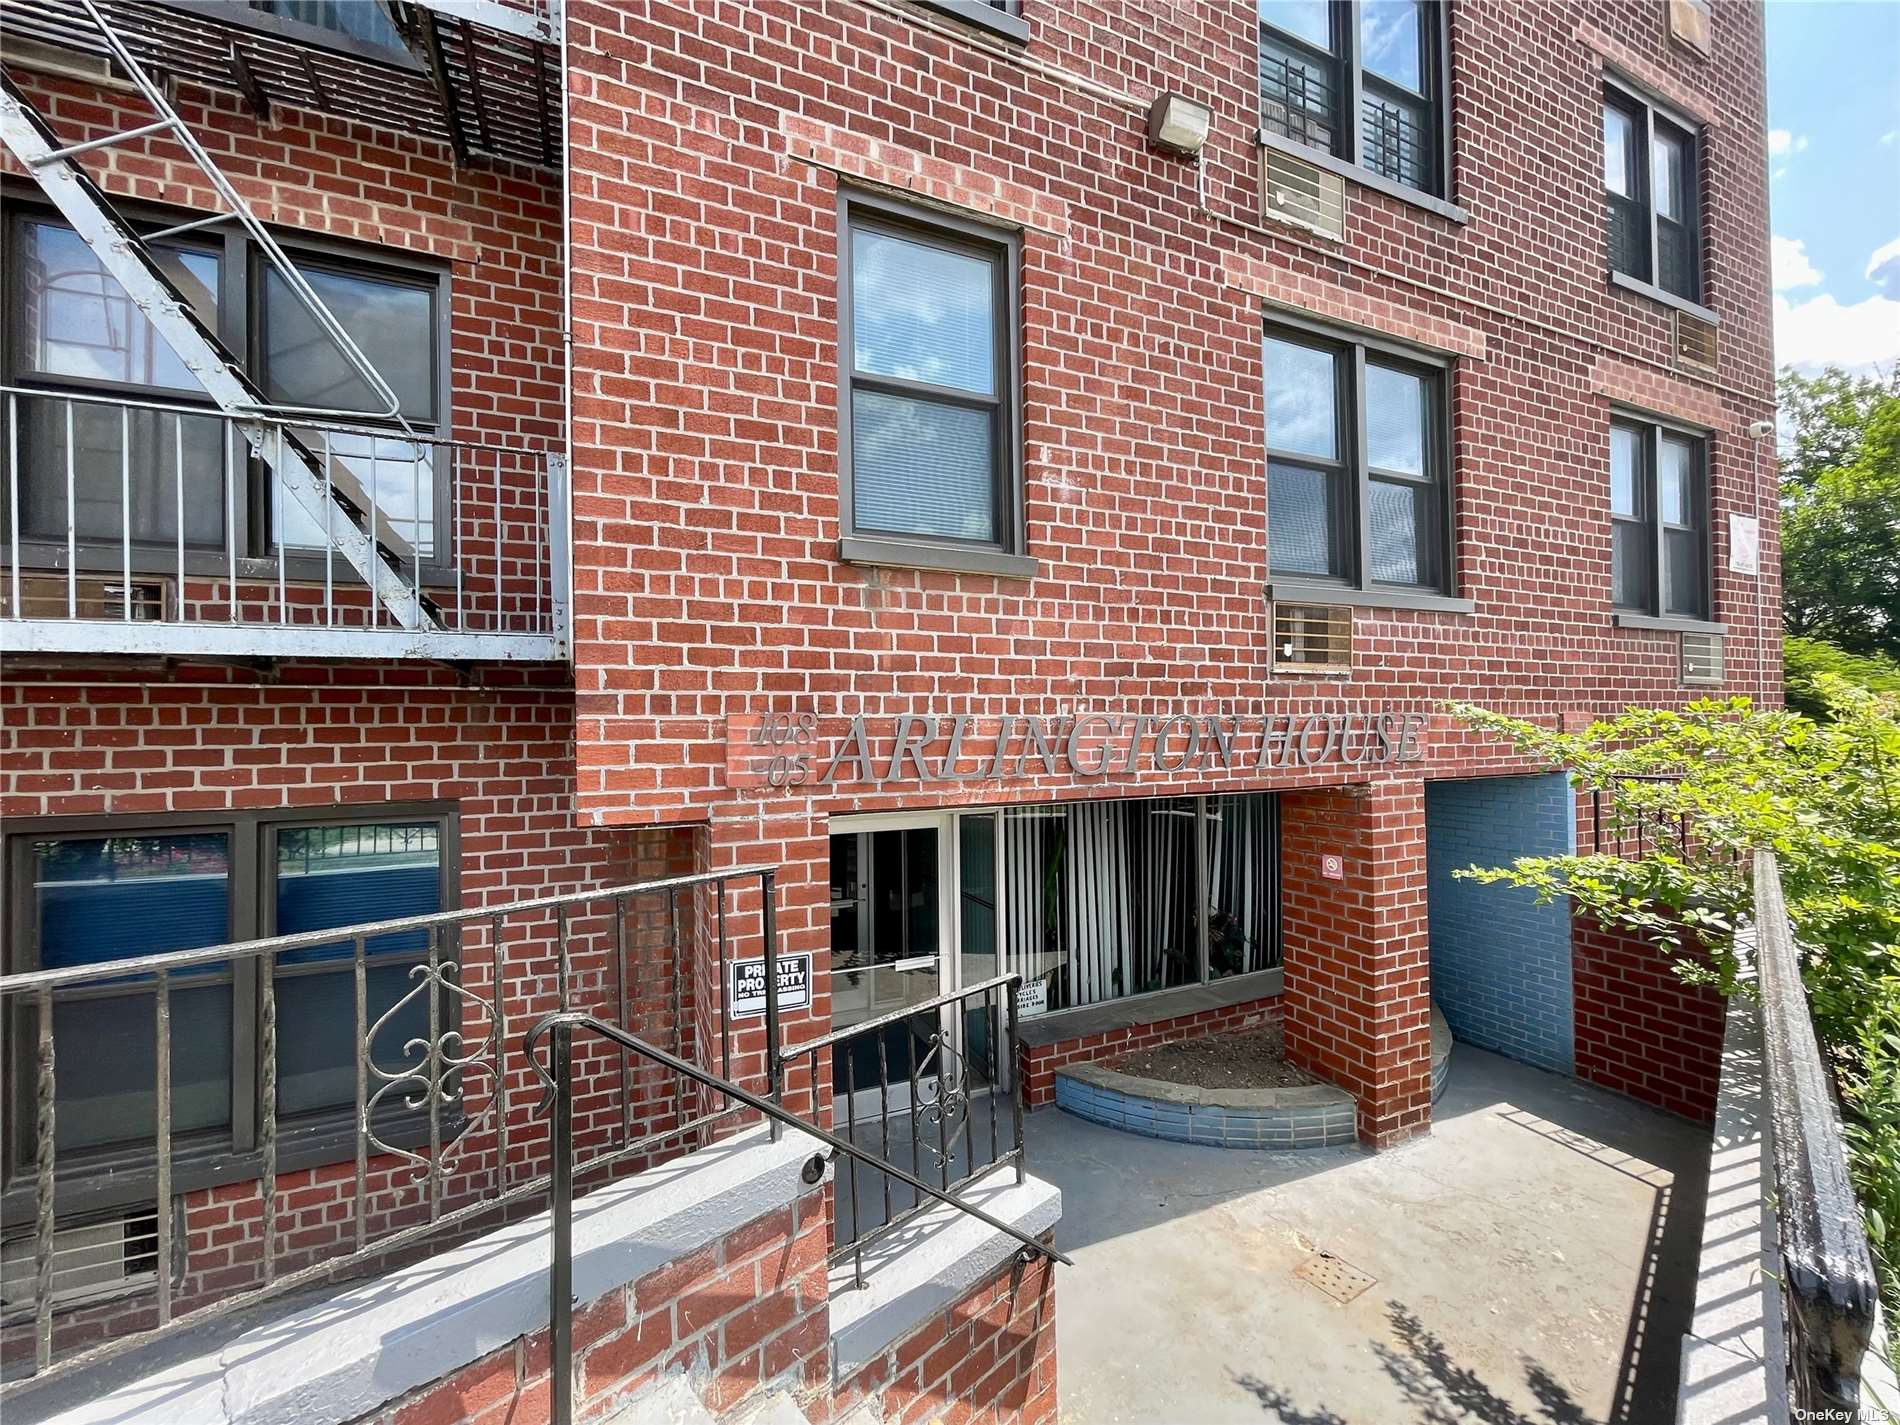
(1834,181)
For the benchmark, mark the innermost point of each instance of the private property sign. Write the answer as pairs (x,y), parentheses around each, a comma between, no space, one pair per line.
(790,749)
(745,994)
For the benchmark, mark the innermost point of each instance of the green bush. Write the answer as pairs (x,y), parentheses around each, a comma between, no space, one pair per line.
(1824,797)
(1806,660)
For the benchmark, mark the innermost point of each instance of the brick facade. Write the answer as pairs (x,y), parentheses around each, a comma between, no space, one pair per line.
(750,1313)
(711,146)
(1640,1029)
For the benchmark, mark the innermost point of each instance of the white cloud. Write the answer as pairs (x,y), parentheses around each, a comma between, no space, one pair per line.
(1861,337)
(1890,136)
(1883,268)
(1782,143)
(1791,265)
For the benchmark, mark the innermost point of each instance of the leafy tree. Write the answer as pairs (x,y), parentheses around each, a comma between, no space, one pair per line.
(1807,660)
(1825,799)
(1840,489)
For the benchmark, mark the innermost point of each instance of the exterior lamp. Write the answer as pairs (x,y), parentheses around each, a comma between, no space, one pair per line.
(1177,124)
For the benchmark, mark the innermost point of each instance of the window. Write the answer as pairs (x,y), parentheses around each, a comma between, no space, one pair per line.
(928,436)
(1659,521)
(1098,899)
(1356,464)
(73,332)
(1650,184)
(1003,17)
(96,895)
(1363,81)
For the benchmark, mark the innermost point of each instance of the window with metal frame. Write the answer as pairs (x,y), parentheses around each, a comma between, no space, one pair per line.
(1659,520)
(95,893)
(928,439)
(1358,457)
(71,332)
(1362,80)
(1651,162)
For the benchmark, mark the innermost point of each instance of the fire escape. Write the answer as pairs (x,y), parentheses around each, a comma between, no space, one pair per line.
(410,542)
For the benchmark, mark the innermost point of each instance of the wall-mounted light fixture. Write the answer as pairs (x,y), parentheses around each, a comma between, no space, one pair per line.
(1179,125)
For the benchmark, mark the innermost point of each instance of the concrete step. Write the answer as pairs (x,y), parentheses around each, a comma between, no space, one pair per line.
(778,1408)
(671,1400)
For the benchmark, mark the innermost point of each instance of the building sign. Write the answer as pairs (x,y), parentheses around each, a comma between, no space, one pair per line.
(787,750)
(745,995)
(1744,544)
(1032,997)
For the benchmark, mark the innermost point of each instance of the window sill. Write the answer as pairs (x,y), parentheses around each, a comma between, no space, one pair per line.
(924,554)
(1093,1019)
(1673,623)
(984,17)
(1364,177)
(1284,591)
(1667,299)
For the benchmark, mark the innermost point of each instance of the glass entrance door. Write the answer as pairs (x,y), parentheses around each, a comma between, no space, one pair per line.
(890,930)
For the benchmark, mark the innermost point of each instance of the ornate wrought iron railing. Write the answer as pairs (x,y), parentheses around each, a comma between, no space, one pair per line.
(443,1131)
(933,1082)
(561,1031)
(1828,1288)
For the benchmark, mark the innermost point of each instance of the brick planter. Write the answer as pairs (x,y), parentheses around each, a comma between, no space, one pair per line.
(1301,1116)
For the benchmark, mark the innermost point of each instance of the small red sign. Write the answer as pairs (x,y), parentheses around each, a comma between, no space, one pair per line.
(1332,867)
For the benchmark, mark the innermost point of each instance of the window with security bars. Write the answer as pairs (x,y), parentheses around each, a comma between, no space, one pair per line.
(1357,463)
(1659,520)
(1651,189)
(928,439)
(1362,80)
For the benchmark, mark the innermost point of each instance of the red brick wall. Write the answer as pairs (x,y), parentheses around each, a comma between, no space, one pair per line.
(1038,1064)
(1357,950)
(751,1312)
(1640,1029)
(211,742)
(710,145)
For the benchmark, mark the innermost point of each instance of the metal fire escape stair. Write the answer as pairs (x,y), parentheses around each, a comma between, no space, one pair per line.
(327,491)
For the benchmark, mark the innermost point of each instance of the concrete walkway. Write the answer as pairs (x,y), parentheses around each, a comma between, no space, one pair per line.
(1534,1264)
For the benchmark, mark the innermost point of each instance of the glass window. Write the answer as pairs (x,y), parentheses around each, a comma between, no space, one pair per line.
(344,874)
(79,322)
(1658,521)
(1098,899)
(1321,476)
(1313,55)
(79,325)
(1650,186)
(393,323)
(101,899)
(98,900)
(930,452)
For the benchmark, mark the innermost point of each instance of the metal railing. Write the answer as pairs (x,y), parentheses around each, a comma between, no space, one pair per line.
(560,1029)
(146,527)
(1829,1292)
(912,1081)
(442,1129)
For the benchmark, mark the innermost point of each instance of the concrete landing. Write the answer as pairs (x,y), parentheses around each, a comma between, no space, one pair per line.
(1534,1264)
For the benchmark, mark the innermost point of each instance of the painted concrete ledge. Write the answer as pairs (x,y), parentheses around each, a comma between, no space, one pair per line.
(1297,1116)
(931,1261)
(325,1361)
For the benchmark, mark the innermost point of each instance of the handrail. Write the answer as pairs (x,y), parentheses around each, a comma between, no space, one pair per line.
(1828,1274)
(575,1019)
(559,1078)
(804,1047)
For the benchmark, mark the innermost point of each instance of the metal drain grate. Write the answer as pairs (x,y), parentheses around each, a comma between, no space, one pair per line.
(1339,1279)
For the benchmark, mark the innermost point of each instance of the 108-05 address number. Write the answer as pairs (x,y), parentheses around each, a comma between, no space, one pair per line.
(791,736)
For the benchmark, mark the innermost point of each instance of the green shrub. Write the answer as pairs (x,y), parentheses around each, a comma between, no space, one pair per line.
(1806,660)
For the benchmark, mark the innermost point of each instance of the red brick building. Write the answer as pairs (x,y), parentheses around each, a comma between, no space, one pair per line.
(1031,474)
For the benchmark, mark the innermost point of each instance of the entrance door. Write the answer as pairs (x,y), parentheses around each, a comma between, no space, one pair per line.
(892,933)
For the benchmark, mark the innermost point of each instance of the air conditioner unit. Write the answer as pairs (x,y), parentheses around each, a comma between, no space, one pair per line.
(1312,638)
(1301,193)
(91,1261)
(46,596)
(1702,661)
